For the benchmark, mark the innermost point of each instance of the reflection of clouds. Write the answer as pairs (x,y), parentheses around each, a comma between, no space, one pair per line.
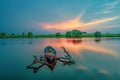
(82,67)
(102,71)
(76,48)
(87,73)
(98,49)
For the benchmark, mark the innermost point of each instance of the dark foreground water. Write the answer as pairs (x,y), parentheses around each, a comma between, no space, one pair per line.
(95,59)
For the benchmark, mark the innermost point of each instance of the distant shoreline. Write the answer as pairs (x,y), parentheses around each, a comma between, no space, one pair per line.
(68,34)
(59,37)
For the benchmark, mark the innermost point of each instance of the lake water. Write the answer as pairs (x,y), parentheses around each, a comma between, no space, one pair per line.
(95,59)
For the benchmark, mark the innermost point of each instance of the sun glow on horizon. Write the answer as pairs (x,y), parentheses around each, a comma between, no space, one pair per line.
(76,23)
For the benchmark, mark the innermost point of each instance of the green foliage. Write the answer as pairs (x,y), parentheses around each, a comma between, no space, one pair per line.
(84,33)
(30,34)
(23,35)
(111,35)
(3,35)
(58,34)
(68,34)
(76,33)
(97,34)
(13,35)
(88,35)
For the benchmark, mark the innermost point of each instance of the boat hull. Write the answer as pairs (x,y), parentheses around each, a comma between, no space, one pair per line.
(51,60)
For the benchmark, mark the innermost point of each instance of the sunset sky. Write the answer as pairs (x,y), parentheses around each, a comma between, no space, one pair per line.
(51,16)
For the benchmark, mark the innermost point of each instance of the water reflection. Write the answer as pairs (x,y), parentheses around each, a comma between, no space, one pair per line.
(96,74)
(74,41)
(2,43)
(97,63)
(50,59)
(30,42)
(76,46)
(97,40)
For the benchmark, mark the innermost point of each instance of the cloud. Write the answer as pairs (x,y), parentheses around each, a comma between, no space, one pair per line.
(101,21)
(113,4)
(110,6)
(107,12)
(76,24)
(111,26)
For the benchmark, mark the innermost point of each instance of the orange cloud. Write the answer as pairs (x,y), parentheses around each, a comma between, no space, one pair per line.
(76,24)
(70,24)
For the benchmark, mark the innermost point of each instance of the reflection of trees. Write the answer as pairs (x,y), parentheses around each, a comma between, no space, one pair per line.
(75,41)
(97,40)
(30,42)
(2,35)
(3,43)
(77,45)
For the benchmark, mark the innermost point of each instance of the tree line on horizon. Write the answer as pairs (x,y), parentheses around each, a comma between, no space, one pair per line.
(68,34)
(13,35)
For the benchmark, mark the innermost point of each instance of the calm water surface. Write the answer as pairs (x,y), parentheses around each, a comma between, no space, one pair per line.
(95,59)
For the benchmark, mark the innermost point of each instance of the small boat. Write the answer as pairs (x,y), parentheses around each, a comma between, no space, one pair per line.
(50,59)
(50,56)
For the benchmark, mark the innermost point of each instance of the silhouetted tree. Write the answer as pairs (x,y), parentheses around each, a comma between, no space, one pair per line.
(23,34)
(76,33)
(84,33)
(58,34)
(97,34)
(68,34)
(30,34)
(12,35)
(3,35)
